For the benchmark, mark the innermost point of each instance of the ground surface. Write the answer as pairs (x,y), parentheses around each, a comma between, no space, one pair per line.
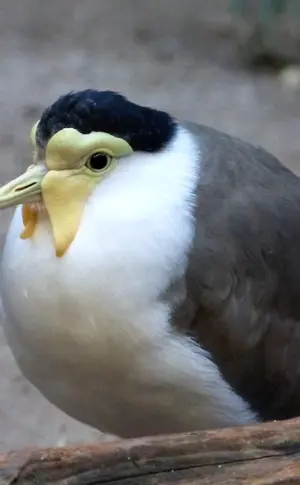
(168,54)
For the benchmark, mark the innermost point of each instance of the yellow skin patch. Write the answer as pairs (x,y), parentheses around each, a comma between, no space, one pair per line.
(29,216)
(63,183)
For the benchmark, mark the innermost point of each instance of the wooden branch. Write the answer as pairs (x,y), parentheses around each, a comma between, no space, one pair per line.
(267,454)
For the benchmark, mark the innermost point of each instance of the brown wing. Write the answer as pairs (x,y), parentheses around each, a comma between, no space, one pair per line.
(243,280)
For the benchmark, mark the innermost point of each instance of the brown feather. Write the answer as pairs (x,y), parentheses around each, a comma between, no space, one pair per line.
(243,281)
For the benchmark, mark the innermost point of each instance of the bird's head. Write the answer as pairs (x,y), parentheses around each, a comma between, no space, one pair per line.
(77,142)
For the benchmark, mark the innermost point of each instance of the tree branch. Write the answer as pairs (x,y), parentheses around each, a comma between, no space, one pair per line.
(266,454)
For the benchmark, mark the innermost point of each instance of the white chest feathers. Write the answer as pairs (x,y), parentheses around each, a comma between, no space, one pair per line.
(91,330)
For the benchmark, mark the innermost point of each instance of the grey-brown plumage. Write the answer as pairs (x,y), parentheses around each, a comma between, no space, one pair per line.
(243,280)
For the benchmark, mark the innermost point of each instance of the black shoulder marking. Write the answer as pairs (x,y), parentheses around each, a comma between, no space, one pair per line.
(145,129)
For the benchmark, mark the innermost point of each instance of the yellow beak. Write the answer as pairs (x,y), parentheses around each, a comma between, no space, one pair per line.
(25,189)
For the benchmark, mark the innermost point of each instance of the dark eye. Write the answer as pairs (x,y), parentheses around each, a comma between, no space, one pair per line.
(98,161)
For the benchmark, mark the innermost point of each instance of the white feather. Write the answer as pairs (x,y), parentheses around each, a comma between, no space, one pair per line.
(92,331)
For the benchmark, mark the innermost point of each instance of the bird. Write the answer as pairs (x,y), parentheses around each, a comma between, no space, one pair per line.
(150,276)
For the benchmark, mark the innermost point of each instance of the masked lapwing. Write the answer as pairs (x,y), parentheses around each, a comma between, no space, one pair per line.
(150,277)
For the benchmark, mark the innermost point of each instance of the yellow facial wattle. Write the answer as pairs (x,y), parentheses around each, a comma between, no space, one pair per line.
(65,194)
(63,183)
(29,216)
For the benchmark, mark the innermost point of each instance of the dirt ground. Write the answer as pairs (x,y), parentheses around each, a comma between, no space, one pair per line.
(172,54)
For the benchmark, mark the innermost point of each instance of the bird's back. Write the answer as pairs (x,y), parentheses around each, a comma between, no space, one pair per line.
(244,272)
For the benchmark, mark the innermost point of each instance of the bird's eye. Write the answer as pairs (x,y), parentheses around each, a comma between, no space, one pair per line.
(98,161)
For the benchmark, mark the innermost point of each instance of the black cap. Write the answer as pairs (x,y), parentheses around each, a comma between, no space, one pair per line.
(145,129)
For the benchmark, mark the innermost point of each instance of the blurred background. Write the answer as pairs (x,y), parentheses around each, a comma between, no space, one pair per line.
(230,64)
